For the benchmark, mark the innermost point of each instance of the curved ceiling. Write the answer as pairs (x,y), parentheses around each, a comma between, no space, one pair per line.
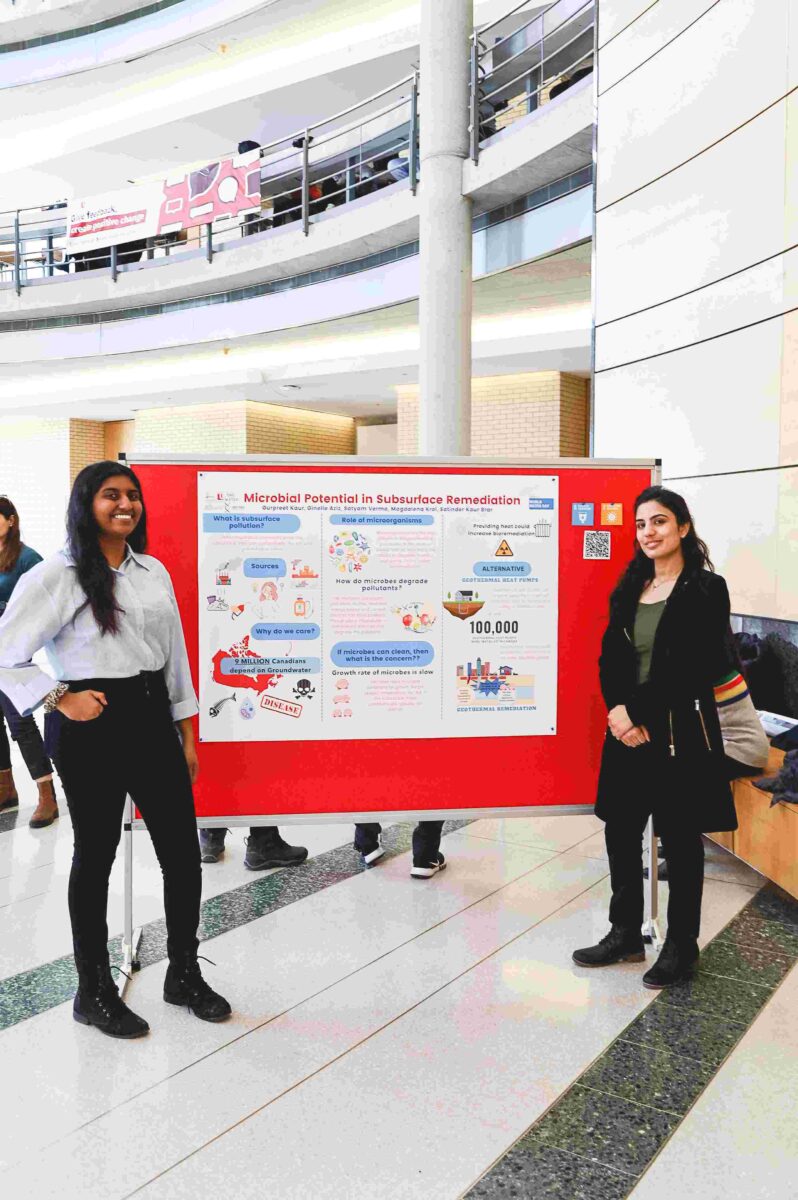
(531,318)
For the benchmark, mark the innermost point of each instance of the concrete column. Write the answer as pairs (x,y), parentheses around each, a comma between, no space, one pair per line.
(444,230)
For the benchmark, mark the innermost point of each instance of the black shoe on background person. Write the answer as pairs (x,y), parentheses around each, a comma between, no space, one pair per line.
(184,985)
(675,964)
(426,865)
(98,1003)
(619,945)
(265,848)
(368,843)
(211,844)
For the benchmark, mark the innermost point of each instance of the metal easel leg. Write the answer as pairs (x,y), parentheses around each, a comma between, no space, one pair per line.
(131,938)
(651,930)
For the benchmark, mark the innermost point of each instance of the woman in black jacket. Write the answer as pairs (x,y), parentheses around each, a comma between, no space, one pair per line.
(665,647)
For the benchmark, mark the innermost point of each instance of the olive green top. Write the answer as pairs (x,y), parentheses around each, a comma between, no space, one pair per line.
(647,619)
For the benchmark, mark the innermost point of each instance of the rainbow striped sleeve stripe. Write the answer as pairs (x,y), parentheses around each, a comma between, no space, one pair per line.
(730,689)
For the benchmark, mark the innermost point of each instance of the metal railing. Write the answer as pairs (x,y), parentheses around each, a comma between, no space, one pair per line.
(528,66)
(363,149)
(371,145)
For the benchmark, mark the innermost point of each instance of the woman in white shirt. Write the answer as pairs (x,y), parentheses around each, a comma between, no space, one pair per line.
(106,614)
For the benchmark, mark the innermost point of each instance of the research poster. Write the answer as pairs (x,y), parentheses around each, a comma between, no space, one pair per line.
(357,606)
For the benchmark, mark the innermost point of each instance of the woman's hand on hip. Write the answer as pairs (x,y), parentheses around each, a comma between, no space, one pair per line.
(619,721)
(82,706)
(638,735)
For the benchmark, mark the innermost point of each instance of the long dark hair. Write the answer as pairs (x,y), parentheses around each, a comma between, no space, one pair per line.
(94,573)
(9,553)
(641,568)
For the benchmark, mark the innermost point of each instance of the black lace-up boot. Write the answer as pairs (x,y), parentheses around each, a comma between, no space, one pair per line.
(675,964)
(619,945)
(184,985)
(265,849)
(98,1003)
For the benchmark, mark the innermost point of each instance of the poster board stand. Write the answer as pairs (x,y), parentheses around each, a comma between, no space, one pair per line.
(309,776)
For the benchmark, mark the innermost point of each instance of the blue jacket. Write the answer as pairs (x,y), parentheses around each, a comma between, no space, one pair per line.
(8,579)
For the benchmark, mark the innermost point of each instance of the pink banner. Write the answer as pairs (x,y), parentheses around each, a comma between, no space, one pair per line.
(219,191)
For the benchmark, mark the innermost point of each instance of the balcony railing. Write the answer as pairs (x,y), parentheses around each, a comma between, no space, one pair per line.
(345,157)
(339,160)
(514,73)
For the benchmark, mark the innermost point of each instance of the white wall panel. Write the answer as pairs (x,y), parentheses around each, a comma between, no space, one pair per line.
(718,213)
(717,74)
(789,392)
(698,209)
(647,36)
(787,547)
(753,295)
(34,472)
(791,168)
(615,15)
(711,407)
(736,515)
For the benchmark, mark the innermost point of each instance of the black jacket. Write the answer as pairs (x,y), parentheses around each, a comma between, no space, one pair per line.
(683,771)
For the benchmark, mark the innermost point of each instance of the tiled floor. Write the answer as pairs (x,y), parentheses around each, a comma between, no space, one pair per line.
(398,1038)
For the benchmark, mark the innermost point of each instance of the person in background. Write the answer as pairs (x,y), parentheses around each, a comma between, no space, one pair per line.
(427,857)
(252,222)
(665,648)
(398,167)
(106,614)
(744,740)
(15,559)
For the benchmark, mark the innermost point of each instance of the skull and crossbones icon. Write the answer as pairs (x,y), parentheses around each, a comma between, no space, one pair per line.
(303,690)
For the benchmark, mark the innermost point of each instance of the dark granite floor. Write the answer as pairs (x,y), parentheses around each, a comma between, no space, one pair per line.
(599,1137)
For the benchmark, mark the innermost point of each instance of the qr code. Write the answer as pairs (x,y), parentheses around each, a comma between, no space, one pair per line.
(597,544)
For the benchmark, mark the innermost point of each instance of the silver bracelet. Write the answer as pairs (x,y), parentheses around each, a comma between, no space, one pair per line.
(52,698)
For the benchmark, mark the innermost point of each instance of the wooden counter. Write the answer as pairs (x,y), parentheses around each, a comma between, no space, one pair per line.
(767,838)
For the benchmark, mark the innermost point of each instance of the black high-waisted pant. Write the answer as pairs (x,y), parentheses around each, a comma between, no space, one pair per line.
(646,789)
(131,748)
(684,854)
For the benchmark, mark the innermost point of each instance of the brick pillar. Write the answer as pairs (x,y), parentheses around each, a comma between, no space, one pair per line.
(201,429)
(242,427)
(537,415)
(407,419)
(277,429)
(86,444)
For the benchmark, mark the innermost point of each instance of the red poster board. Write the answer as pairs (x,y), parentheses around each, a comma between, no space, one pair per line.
(436,776)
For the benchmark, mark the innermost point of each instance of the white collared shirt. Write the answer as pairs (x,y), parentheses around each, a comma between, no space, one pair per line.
(41,615)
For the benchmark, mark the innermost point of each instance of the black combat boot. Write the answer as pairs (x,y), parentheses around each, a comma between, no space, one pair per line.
(619,945)
(675,964)
(184,985)
(98,1003)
